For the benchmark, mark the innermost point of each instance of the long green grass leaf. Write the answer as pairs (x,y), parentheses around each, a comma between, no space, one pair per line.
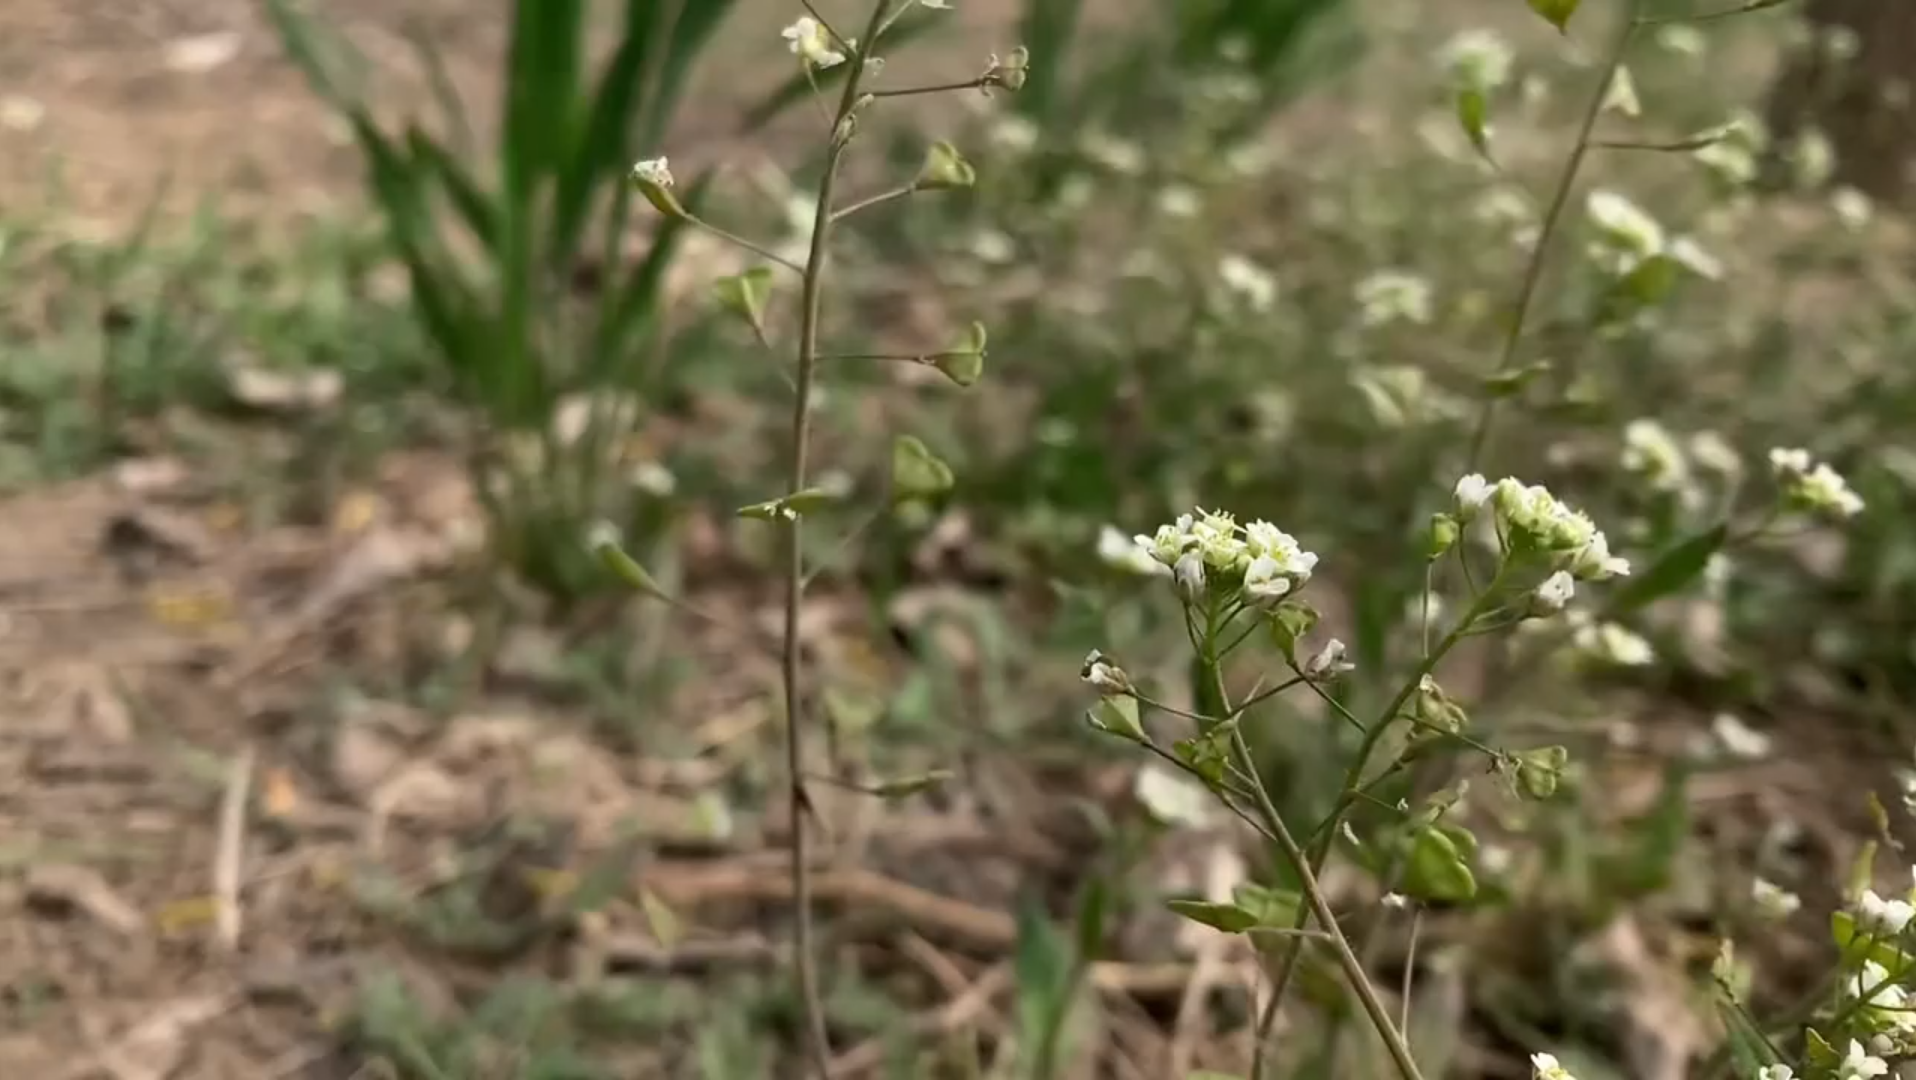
(475,208)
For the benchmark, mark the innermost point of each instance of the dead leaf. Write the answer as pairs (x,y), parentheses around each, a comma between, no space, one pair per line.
(156,1048)
(284,391)
(201,53)
(188,607)
(85,704)
(150,475)
(1661,1032)
(67,886)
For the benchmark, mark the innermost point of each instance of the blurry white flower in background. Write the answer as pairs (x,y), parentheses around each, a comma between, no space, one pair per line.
(812,43)
(1172,798)
(1389,296)
(1773,901)
(1478,59)
(1853,208)
(1682,39)
(1739,739)
(1250,282)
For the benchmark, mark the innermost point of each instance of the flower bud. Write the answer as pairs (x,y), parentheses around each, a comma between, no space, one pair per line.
(653,178)
(1443,536)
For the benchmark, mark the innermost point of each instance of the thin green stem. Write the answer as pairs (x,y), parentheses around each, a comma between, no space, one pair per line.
(1300,864)
(755,248)
(1552,218)
(879,199)
(1710,16)
(817,1039)
(939,88)
(1353,784)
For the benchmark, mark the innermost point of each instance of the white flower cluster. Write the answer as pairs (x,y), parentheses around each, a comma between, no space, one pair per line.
(1812,485)
(1627,237)
(1212,548)
(1389,296)
(1249,282)
(1546,1067)
(1477,60)
(1529,517)
(813,44)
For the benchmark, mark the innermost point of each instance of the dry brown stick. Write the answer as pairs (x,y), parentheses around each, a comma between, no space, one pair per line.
(1188,1028)
(953,1015)
(229,859)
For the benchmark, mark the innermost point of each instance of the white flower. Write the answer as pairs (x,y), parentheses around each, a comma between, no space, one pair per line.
(1813,485)
(1622,95)
(1554,593)
(1732,160)
(1627,233)
(1872,983)
(1613,643)
(1713,452)
(653,171)
(1853,208)
(1785,461)
(1014,132)
(1119,155)
(1545,1067)
(937,5)
(654,479)
(1478,59)
(1738,738)
(1261,538)
(1685,40)
(1858,1064)
(1814,158)
(1537,516)
(1394,295)
(1774,901)
(1825,489)
(1651,452)
(1133,556)
(1179,201)
(1170,541)
(1172,798)
(1218,542)
(1879,916)
(1472,493)
(1691,256)
(1251,282)
(1328,662)
(1190,574)
(1396,900)
(812,43)
(1593,562)
(1264,580)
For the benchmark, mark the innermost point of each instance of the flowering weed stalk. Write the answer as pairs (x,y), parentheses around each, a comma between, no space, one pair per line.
(916,472)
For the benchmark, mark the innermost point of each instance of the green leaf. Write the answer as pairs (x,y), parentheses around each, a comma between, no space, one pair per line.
(1556,12)
(1670,572)
(1093,907)
(1205,754)
(1650,281)
(626,568)
(945,167)
(1117,716)
(1436,870)
(917,473)
(1273,908)
(1473,115)
(1290,622)
(1226,917)
(744,294)
(1511,383)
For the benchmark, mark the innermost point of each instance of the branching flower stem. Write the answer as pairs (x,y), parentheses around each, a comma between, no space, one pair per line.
(817,1040)
(1552,219)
